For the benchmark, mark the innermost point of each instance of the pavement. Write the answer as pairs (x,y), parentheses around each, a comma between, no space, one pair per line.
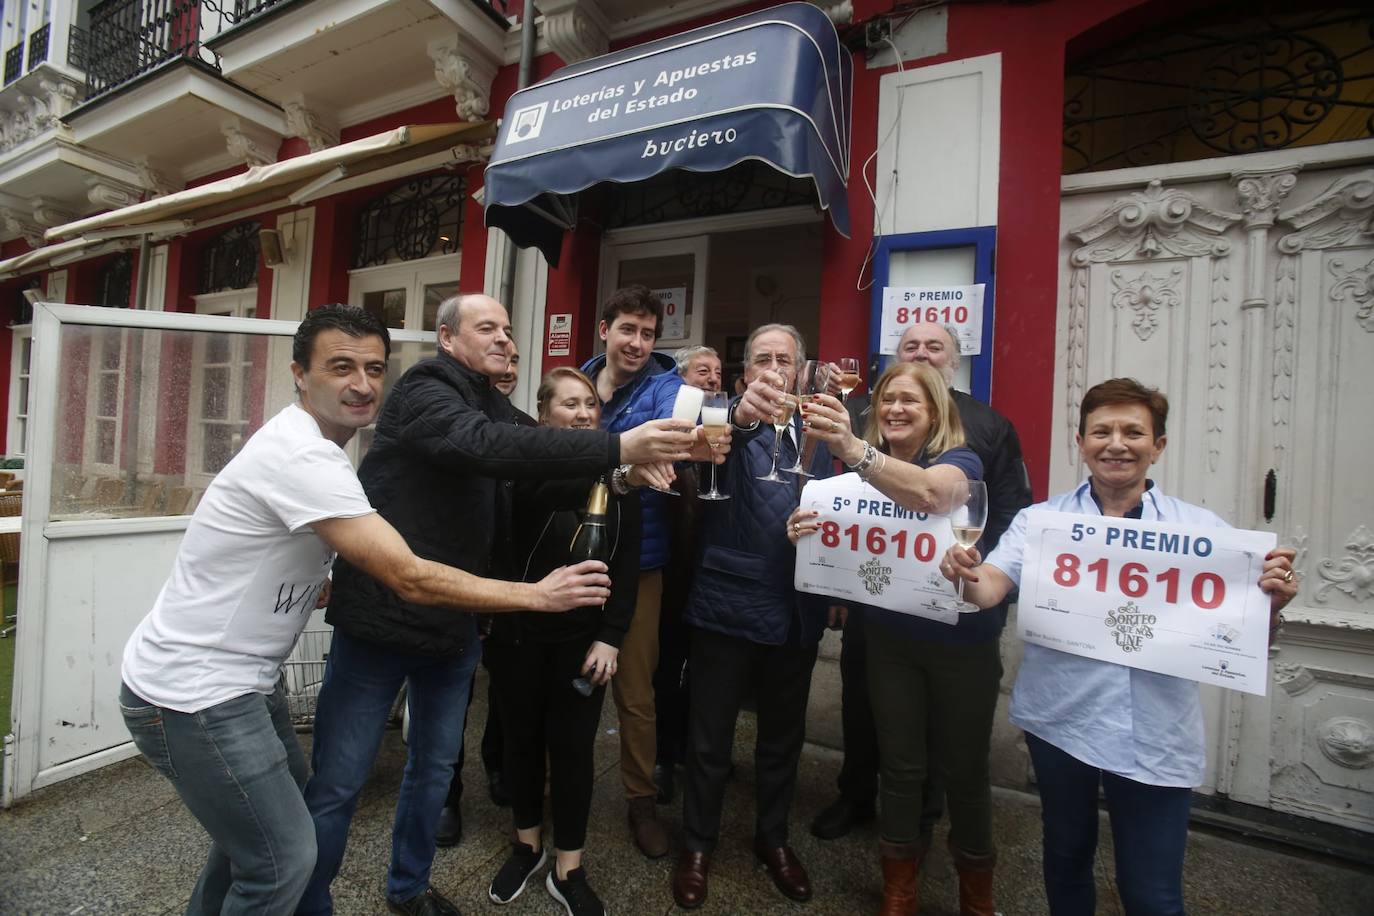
(119,841)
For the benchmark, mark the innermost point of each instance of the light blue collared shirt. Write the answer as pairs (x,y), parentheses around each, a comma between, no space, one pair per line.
(1137,724)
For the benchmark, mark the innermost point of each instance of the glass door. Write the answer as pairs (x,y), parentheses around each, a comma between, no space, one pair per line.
(675,269)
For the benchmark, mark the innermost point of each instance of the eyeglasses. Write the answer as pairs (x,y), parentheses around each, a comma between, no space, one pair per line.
(773,359)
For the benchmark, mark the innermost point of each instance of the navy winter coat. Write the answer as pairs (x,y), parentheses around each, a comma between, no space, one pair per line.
(744,573)
(647,396)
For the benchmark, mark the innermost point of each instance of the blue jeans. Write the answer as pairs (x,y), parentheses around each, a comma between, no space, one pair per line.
(239,770)
(1149,829)
(361,680)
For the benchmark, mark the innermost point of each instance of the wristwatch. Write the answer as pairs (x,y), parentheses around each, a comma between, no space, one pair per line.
(620,485)
(744,429)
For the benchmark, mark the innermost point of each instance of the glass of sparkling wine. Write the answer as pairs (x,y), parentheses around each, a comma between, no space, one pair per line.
(968,515)
(715,418)
(849,376)
(780,424)
(686,407)
(814,379)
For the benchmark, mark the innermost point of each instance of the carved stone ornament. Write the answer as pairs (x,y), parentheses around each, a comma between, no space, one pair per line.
(110,195)
(1293,678)
(1358,285)
(1281,374)
(22,224)
(1261,192)
(1352,574)
(154,180)
(1146,295)
(465,77)
(251,147)
(575,29)
(309,125)
(1341,215)
(49,212)
(1348,742)
(1153,222)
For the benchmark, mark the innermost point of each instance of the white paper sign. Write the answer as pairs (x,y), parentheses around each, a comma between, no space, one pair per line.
(560,334)
(871,550)
(959,306)
(674,312)
(1174,599)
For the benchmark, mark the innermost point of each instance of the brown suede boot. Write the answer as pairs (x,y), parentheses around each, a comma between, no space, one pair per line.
(649,833)
(975,881)
(901,876)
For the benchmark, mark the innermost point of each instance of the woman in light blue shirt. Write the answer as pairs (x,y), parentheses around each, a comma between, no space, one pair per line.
(1137,733)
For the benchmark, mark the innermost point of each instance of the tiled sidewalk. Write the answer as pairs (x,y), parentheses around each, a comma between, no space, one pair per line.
(119,842)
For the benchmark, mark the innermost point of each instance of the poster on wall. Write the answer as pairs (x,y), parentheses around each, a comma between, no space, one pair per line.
(560,334)
(958,306)
(674,312)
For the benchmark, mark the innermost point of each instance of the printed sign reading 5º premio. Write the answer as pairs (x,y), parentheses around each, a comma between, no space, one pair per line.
(872,551)
(1168,598)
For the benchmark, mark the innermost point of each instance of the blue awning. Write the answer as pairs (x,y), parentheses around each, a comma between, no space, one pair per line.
(773,85)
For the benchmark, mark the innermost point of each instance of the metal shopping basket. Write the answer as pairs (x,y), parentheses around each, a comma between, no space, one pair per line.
(303,673)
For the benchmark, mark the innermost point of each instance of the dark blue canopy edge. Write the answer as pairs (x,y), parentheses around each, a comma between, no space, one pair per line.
(773,85)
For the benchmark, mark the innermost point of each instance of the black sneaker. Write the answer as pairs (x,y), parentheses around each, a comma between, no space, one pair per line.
(510,881)
(574,893)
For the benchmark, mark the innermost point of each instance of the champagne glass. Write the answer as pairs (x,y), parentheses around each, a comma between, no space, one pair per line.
(811,381)
(968,515)
(686,407)
(849,376)
(780,424)
(715,419)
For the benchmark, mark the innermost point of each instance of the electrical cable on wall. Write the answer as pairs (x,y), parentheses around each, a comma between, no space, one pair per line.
(878,209)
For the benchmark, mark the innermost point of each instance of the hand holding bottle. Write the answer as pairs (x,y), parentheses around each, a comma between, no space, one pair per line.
(580,585)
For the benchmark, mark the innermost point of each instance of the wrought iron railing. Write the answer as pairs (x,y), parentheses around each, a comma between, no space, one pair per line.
(14,63)
(237,12)
(78,43)
(131,37)
(38,46)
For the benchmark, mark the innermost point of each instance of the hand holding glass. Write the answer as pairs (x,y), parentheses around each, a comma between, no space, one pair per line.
(849,376)
(686,407)
(812,380)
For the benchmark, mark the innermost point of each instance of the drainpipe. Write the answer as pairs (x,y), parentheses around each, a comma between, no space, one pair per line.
(527,37)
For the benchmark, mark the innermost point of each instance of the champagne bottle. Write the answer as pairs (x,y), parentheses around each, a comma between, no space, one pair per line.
(590,541)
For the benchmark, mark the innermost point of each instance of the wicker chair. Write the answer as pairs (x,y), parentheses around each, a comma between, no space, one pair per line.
(10,505)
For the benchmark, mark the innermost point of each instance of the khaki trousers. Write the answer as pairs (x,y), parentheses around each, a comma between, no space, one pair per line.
(633,689)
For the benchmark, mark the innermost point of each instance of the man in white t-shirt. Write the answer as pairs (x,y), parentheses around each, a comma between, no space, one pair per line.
(201,691)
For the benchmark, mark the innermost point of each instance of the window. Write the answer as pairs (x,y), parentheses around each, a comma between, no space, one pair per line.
(21,359)
(221,387)
(419,219)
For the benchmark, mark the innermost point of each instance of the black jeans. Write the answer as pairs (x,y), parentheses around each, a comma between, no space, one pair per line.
(540,711)
(724,670)
(858,780)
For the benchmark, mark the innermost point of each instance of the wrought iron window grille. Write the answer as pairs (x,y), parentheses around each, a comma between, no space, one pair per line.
(116,279)
(129,38)
(14,63)
(1235,83)
(678,194)
(38,46)
(418,219)
(231,260)
(78,40)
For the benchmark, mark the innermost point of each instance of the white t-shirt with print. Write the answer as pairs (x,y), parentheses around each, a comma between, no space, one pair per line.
(248,572)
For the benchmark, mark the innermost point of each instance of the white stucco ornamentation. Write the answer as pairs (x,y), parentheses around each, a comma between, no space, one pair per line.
(1348,742)
(309,125)
(575,29)
(1356,284)
(1352,574)
(1261,192)
(1147,225)
(1146,295)
(465,77)
(252,148)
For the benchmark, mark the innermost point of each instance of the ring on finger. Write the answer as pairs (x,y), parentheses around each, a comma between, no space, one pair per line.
(1288,576)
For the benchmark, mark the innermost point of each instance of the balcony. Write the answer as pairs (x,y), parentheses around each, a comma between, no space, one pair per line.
(129,38)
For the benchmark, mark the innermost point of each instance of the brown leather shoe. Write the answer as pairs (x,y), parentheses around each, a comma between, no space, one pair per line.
(650,835)
(975,881)
(786,871)
(689,879)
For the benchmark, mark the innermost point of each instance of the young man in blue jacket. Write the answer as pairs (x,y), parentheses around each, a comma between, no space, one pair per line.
(636,384)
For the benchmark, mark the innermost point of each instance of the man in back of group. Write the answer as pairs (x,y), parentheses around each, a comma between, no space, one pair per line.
(994,439)
(201,692)
(445,440)
(637,384)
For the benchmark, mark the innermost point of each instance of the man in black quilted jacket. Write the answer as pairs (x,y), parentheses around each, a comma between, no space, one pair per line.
(445,440)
